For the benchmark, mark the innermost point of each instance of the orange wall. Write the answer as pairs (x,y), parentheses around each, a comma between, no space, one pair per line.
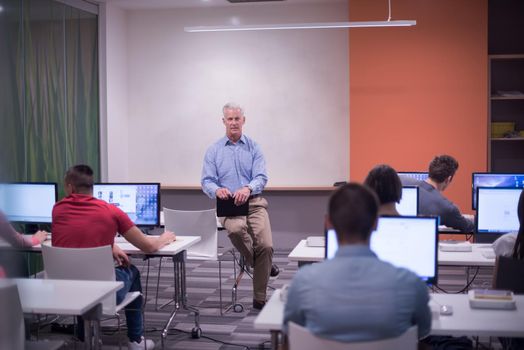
(416,92)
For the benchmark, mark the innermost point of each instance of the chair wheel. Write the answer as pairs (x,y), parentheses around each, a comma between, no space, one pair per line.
(238,308)
(196,333)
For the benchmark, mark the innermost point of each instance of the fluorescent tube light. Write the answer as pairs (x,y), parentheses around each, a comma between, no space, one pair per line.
(321,25)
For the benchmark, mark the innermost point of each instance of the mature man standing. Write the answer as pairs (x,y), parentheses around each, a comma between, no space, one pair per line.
(234,167)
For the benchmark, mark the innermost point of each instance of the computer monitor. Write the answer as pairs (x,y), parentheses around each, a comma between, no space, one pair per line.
(404,241)
(497,209)
(409,203)
(140,201)
(28,202)
(494,180)
(417,175)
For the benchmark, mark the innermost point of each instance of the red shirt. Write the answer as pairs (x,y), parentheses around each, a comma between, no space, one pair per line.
(83,221)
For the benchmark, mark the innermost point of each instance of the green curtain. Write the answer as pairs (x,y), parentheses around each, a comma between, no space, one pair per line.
(49,91)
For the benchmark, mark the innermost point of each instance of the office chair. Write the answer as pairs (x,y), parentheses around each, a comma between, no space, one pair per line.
(509,274)
(88,264)
(203,223)
(301,338)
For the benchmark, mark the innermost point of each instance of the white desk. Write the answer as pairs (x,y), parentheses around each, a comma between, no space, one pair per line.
(463,321)
(67,297)
(63,297)
(180,245)
(175,250)
(304,254)
(476,322)
(473,258)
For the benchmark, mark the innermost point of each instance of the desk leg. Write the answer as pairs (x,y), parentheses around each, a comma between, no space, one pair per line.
(92,320)
(180,296)
(87,335)
(274,339)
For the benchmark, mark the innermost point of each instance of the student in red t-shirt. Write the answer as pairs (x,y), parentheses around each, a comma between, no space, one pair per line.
(83,221)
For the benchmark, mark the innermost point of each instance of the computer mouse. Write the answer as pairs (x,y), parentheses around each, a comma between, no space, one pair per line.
(446,309)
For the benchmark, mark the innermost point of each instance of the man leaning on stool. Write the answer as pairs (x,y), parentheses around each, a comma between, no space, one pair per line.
(234,167)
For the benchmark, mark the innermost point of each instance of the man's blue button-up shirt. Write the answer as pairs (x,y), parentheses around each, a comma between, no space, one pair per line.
(233,166)
(357,297)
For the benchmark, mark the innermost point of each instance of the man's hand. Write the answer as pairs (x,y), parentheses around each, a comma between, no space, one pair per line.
(242,195)
(223,193)
(167,237)
(120,257)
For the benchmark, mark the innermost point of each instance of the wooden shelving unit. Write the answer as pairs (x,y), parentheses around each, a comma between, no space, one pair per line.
(506,82)
(518,97)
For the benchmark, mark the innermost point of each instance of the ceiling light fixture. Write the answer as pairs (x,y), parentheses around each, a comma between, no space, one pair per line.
(319,25)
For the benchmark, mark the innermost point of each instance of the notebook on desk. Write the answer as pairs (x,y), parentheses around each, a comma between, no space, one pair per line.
(227,207)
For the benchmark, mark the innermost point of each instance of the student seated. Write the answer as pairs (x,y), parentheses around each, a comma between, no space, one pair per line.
(355,296)
(432,202)
(384,180)
(512,244)
(83,221)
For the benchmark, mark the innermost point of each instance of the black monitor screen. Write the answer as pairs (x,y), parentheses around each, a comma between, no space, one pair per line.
(404,241)
(140,201)
(28,202)
(494,180)
(497,209)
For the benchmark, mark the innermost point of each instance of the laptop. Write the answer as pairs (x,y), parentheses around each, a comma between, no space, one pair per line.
(227,207)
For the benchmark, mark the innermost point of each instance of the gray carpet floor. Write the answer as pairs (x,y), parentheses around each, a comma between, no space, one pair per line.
(232,330)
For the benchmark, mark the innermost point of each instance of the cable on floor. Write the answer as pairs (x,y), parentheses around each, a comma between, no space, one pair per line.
(172,330)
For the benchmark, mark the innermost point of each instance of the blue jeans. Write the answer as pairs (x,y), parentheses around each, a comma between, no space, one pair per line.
(135,326)
(131,278)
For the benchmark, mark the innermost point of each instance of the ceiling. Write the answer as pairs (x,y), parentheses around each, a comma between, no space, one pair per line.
(160,4)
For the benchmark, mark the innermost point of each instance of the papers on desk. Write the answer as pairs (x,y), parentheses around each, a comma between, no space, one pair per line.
(491,299)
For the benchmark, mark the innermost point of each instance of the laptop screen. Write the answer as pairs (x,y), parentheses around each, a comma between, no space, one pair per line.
(409,203)
(140,201)
(404,241)
(497,209)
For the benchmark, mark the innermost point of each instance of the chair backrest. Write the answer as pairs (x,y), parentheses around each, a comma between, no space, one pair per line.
(12,328)
(87,264)
(509,274)
(195,223)
(301,338)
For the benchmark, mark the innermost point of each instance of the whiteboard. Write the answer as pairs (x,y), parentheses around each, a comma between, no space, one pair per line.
(293,85)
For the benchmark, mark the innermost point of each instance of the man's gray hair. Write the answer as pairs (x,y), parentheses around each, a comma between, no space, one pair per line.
(232,105)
